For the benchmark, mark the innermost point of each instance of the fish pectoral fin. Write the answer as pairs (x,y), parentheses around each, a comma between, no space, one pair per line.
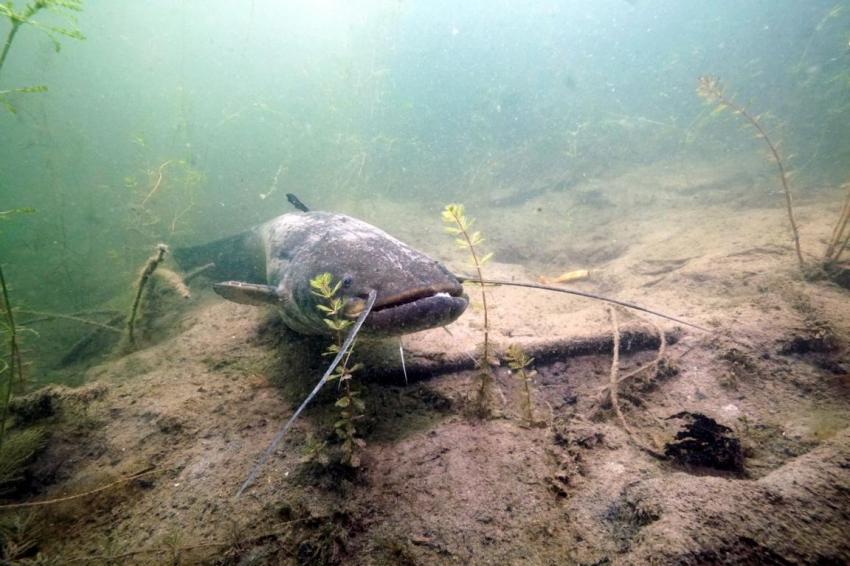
(248,293)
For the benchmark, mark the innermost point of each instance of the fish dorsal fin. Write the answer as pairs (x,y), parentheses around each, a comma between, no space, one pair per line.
(249,293)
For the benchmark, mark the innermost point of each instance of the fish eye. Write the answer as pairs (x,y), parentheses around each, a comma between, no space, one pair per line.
(347,281)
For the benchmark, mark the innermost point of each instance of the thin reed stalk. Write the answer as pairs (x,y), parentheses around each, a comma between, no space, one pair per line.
(840,233)
(14,364)
(710,89)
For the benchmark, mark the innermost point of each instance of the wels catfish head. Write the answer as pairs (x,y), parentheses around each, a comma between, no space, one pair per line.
(414,292)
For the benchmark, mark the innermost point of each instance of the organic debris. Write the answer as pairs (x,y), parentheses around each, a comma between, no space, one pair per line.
(576,275)
(705,443)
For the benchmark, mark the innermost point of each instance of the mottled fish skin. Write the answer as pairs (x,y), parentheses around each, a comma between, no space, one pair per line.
(414,291)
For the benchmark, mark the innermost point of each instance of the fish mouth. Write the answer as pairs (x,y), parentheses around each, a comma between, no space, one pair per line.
(412,310)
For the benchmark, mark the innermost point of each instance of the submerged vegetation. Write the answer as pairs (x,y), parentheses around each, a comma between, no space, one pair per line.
(25,17)
(459,225)
(840,237)
(174,125)
(711,90)
(12,367)
(520,365)
(350,404)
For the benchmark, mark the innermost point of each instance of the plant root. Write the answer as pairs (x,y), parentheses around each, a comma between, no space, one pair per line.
(614,382)
(605,391)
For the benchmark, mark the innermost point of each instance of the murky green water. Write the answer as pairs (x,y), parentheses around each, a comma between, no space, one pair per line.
(181,122)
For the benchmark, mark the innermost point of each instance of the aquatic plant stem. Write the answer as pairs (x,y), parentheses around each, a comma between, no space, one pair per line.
(16,25)
(839,240)
(151,265)
(157,184)
(370,302)
(710,89)
(480,281)
(659,357)
(16,21)
(14,365)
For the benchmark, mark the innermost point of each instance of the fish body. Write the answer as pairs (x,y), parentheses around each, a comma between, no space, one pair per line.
(273,264)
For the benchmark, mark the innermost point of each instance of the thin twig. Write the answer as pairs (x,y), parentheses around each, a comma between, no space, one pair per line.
(662,351)
(15,364)
(75,352)
(838,241)
(197,271)
(157,184)
(78,495)
(53,315)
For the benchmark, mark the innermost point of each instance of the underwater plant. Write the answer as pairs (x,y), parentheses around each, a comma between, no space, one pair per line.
(458,224)
(144,276)
(12,365)
(710,89)
(152,268)
(840,237)
(520,363)
(24,16)
(17,447)
(350,404)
